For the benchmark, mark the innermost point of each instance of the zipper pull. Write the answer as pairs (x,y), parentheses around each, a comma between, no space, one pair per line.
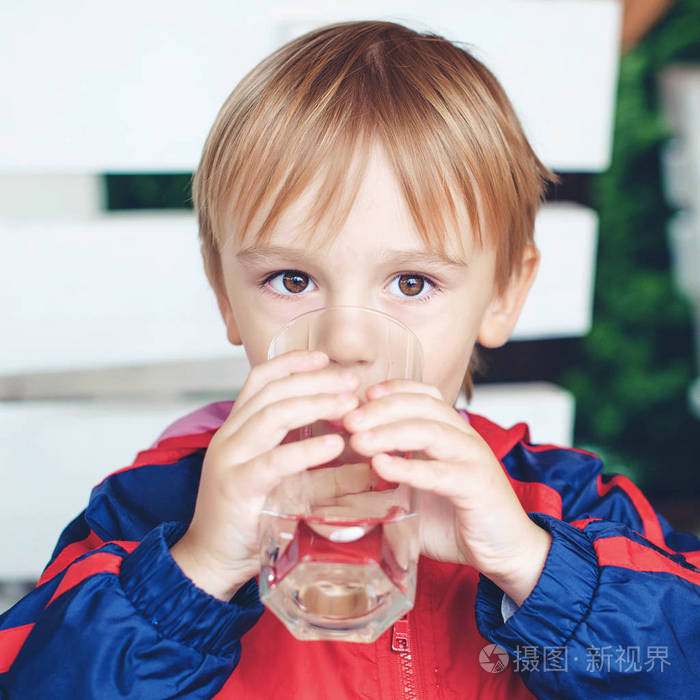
(399,635)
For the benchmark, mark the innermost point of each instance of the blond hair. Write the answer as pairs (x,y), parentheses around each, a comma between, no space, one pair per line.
(314,106)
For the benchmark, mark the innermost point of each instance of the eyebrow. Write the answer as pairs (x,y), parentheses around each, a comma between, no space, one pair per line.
(262,256)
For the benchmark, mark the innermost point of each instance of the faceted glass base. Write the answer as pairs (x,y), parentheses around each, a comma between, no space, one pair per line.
(344,602)
(346,582)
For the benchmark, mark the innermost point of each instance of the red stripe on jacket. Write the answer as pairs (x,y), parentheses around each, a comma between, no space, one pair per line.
(650,522)
(500,440)
(546,448)
(11,641)
(168,451)
(583,523)
(75,550)
(619,551)
(533,495)
(691,557)
(69,554)
(536,497)
(98,563)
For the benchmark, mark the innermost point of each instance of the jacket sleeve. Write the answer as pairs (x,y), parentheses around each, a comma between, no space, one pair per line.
(616,610)
(114,616)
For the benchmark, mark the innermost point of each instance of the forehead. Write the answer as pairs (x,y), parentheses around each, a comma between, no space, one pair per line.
(377,220)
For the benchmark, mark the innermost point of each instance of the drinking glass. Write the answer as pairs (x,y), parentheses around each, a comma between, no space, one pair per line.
(339,544)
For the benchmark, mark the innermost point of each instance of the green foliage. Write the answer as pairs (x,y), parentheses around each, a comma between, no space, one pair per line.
(637,362)
(148,191)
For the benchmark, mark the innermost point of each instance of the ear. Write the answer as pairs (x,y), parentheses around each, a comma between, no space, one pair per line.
(504,309)
(217,284)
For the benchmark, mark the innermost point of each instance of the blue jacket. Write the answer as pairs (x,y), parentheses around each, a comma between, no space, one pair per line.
(615,613)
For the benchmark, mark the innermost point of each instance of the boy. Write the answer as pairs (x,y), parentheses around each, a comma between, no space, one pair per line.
(364,164)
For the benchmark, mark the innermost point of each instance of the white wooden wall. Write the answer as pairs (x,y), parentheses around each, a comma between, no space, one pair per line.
(114,306)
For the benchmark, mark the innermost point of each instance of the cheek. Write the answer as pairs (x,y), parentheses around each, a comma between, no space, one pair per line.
(254,334)
(446,358)
(255,330)
(256,341)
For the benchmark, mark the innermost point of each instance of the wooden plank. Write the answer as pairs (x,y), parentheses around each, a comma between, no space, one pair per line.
(129,289)
(91,89)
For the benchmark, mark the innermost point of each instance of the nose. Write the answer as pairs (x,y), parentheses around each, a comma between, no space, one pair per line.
(351,337)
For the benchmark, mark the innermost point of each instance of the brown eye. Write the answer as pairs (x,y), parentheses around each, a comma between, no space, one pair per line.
(288,283)
(411,285)
(295,282)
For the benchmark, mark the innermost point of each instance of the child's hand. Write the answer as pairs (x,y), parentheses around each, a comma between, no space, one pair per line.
(245,461)
(469,511)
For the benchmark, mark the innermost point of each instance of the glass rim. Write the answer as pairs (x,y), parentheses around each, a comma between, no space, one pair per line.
(350,307)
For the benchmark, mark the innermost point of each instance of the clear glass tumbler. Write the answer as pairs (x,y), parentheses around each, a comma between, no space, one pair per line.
(339,545)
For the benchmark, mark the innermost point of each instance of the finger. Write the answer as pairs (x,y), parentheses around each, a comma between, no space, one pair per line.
(268,427)
(300,384)
(278,367)
(267,470)
(437,440)
(446,479)
(281,366)
(395,407)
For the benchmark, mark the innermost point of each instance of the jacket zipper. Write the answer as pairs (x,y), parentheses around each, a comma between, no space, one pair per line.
(401,644)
